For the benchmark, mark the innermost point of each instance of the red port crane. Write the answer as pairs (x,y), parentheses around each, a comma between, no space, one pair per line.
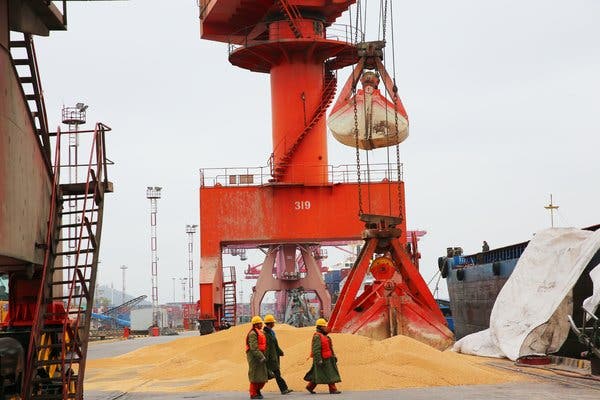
(298,202)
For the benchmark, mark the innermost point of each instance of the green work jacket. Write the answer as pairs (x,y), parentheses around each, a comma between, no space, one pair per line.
(322,370)
(273,350)
(257,368)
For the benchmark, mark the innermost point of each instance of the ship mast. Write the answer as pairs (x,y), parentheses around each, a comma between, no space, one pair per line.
(551,207)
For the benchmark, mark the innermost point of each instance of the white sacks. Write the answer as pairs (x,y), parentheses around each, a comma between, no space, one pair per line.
(530,313)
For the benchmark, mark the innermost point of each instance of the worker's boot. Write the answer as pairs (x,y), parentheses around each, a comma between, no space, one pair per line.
(255,391)
(311,387)
(333,389)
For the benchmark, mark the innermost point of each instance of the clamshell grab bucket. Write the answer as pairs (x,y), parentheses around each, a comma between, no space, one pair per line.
(379,123)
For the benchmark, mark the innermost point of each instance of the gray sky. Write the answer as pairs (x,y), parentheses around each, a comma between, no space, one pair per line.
(502,98)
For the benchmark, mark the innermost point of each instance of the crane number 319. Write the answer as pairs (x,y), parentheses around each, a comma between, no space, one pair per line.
(302,205)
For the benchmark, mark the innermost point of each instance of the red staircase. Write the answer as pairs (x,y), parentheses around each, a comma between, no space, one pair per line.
(229,292)
(59,335)
(280,166)
(23,57)
(293,14)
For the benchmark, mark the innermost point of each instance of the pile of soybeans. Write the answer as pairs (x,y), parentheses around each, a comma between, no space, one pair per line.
(217,362)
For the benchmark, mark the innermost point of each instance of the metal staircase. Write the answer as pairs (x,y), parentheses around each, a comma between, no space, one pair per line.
(280,166)
(293,14)
(58,343)
(22,52)
(229,292)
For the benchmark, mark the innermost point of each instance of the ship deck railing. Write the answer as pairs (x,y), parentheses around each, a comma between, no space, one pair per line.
(488,257)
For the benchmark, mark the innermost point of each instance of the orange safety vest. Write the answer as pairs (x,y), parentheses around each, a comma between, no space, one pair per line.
(326,350)
(262,340)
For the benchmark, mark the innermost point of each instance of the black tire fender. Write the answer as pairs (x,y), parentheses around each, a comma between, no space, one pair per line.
(441,262)
(445,268)
(496,268)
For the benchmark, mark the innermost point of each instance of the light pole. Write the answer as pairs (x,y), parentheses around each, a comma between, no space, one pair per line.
(190,230)
(153,194)
(183,286)
(123,268)
(173,290)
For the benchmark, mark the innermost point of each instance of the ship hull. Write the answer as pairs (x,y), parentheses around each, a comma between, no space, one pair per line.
(474,282)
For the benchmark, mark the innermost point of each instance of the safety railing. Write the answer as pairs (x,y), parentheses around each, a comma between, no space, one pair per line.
(257,176)
(335,32)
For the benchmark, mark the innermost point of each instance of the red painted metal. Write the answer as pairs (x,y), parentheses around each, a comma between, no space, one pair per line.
(302,202)
(281,272)
(398,302)
(273,214)
(534,360)
(235,20)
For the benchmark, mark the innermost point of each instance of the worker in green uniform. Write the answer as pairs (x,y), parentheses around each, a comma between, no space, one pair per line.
(273,354)
(324,368)
(256,347)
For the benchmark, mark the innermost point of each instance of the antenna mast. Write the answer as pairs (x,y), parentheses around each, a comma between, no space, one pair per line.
(551,207)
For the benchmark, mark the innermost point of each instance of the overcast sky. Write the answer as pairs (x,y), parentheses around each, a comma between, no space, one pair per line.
(502,96)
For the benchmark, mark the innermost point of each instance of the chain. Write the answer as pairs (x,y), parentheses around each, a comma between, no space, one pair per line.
(358,7)
(383,24)
(398,151)
(360,206)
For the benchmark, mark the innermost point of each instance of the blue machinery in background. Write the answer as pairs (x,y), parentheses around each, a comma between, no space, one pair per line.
(116,315)
(113,320)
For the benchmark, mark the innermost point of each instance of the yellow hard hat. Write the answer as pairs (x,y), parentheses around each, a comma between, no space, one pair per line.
(256,320)
(269,318)
(321,322)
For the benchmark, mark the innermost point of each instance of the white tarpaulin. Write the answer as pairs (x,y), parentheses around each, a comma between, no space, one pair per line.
(591,303)
(530,312)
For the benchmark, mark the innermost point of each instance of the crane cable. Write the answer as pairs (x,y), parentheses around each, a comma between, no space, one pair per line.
(398,165)
(383,16)
(358,20)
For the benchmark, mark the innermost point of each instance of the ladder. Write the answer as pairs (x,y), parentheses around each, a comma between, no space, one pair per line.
(22,52)
(293,14)
(329,87)
(229,293)
(55,365)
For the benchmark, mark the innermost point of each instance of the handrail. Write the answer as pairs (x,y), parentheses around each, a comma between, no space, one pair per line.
(327,94)
(336,174)
(43,116)
(336,32)
(48,251)
(96,163)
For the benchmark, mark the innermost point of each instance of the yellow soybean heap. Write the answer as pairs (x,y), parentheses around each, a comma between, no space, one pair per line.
(217,363)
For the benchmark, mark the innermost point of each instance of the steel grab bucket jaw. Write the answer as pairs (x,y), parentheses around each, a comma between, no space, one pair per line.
(398,302)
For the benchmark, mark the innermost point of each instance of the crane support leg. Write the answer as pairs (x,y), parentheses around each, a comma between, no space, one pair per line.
(280,273)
